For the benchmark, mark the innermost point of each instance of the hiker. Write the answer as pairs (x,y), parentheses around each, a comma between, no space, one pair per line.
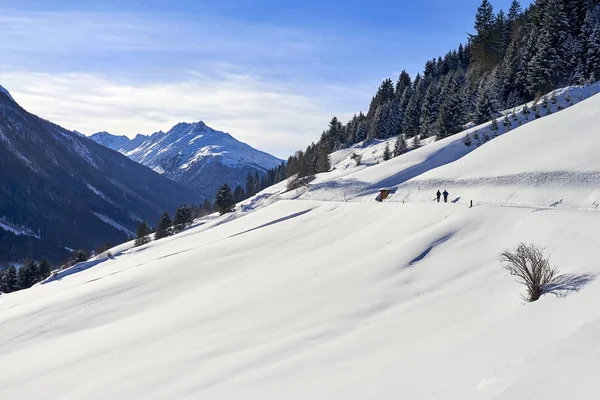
(445,196)
(438,194)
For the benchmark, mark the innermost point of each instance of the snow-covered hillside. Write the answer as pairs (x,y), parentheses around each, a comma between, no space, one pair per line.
(193,154)
(299,298)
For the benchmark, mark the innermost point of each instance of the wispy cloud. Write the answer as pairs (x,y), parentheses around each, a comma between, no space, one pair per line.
(272,86)
(266,116)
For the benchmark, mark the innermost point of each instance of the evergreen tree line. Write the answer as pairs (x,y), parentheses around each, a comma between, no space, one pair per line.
(256,183)
(510,59)
(184,216)
(28,275)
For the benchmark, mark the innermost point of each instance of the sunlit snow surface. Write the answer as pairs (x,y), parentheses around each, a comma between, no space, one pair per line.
(326,294)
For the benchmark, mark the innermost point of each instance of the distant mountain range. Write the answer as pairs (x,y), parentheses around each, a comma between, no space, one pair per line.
(194,155)
(61,190)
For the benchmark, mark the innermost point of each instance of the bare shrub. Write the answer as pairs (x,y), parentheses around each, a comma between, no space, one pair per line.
(357,158)
(532,269)
(299,181)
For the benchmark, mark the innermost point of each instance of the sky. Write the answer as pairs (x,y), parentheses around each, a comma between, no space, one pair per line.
(272,73)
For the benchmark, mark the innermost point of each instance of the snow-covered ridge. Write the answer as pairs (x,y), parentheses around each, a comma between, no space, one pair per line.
(193,154)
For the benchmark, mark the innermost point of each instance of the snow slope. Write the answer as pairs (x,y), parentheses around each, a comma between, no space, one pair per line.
(312,299)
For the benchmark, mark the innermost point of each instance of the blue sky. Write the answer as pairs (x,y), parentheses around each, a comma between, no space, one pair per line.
(270,72)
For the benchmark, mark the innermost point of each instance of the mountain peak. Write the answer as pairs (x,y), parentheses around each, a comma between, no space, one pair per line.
(194,154)
(6,92)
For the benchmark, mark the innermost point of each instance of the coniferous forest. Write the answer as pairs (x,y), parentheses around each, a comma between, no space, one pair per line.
(512,57)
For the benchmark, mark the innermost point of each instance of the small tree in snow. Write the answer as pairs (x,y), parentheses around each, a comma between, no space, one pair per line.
(494,127)
(183,218)
(580,96)
(532,269)
(467,140)
(142,234)
(514,116)
(526,111)
(545,102)
(506,123)
(553,99)
(568,99)
(386,153)
(416,142)
(400,147)
(357,158)
(224,201)
(476,135)
(163,228)
(486,137)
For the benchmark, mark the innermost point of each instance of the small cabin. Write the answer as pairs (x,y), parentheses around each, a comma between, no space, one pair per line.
(384,193)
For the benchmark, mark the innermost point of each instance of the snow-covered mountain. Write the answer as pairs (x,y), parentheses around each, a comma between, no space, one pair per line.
(193,154)
(332,295)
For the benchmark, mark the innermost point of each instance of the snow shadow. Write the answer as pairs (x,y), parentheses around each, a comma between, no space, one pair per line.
(565,284)
(426,252)
(275,221)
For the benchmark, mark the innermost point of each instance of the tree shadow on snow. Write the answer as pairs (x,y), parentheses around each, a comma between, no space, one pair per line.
(275,221)
(565,284)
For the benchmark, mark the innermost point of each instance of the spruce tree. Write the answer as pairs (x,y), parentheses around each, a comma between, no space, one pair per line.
(323,159)
(207,207)
(143,232)
(28,274)
(494,127)
(467,140)
(224,202)
(484,109)
(183,218)
(163,228)
(44,270)
(416,142)
(386,152)
(400,147)
(9,281)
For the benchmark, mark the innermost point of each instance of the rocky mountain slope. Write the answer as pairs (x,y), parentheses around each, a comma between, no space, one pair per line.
(61,190)
(194,155)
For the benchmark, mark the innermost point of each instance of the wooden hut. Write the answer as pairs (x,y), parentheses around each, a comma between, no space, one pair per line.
(384,193)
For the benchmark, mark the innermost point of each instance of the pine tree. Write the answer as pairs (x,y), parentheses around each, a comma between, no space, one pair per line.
(183,218)
(143,232)
(224,202)
(9,281)
(27,275)
(525,111)
(386,152)
(323,160)
(82,255)
(44,270)
(484,109)
(467,140)
(545,102)
(163,228)
(416,142)
(514,12)
(494,127)
(485,44)
(400,147)
(506,123)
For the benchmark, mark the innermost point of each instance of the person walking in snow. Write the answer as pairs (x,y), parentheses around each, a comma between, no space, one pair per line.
(445,196)
(438,195)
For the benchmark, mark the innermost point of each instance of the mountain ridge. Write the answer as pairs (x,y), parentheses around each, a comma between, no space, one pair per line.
(193,154)
(69,190)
